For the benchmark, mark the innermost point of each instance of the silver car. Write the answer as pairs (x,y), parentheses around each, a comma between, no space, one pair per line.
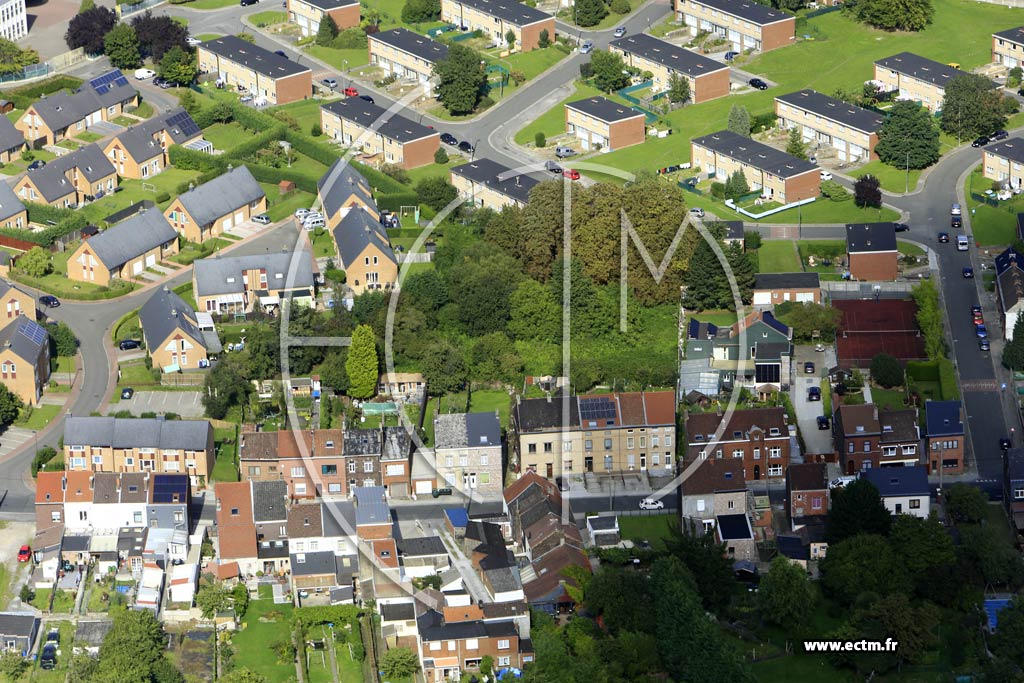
(587,47)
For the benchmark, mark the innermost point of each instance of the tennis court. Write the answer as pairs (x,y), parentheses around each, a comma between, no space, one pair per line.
(871,327)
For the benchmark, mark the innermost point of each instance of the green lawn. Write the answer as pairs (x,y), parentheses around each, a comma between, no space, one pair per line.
(489,400)
(60,671)
(719,318)
(654,529)
(57,281)
(892,179)
(135,374)
(433,170)
(132,191)
(62,365)
(62,603)
(532,63)
(280,207)
(340,59)
(265,624)
(143,111)
(820,211)
(268,18)
(226,136)
(888,398)
(323,244)
(306,112)
(841,55)
(38,417)
(88,136)
(778,256)
(991,225)
(909,248)
(210,4)
(225,467)
(191,251)
(552,122)
(207,36)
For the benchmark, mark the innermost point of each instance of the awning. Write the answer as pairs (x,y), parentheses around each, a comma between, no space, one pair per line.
(173,367)
(230,299)
(204,321)
(270,300)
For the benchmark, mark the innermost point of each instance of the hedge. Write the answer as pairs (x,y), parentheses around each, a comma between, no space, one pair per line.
(27,235)
(191,160)
(42,213)
(923,371)
(948,388)
(247,149)
(268,174)
(25,96)
(396,200)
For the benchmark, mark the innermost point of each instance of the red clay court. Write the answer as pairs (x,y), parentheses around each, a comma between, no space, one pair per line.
(869,328)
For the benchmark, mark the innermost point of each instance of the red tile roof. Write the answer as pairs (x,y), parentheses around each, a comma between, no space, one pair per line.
(518,487)
(79,487)
(233,496)
(49,487)
(227,570)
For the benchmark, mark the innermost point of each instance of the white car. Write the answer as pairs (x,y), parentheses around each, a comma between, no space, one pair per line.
(143,74)
(825,175)
(651,504)
(193,42)
(956,210)
(300,214)
(841,482)
(697,212)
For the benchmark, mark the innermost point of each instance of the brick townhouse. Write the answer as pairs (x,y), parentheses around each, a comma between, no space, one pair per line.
(760,436)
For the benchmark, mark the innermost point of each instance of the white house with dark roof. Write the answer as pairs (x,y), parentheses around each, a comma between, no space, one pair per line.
(18,632)
(771,289)
(125,250)
(467,451)
(1004,161)
(904,490)
(915,78)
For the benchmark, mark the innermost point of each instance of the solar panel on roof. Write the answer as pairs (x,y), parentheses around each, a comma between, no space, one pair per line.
(110,79)
(184,123)
(32,331)
(597,409)
(168,488)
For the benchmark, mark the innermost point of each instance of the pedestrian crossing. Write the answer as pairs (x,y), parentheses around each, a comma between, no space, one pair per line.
(979,385)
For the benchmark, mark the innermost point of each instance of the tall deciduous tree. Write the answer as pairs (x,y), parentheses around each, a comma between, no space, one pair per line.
(534,312)
(678,88)
(461,79)
(418,11)
(609,70)
(739,120)
(742,273)
(361,364)
(158,34)
(399,662)
(133,651)
(887,371)
(908,137)
(436,192)
(929,319)
(121,46)
(178,66)
(892,15)
(965,504)
(13,59)
(444,369)
(857,509)
(785,596)
(864,563)
(1013,352)
(87,29)
(971,107)
(64,341)
(867,192)
(589,12)
(924,546)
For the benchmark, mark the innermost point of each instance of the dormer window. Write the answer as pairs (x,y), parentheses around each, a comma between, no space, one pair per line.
(774,431)
(737,434)
(231,279)
(329,444)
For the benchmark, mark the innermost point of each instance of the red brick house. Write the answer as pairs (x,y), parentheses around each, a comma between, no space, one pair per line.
(871,251)
(807,490)
(759,436)
(867,437)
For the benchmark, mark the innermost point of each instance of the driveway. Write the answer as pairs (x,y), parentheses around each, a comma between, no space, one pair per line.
(184,403)
(815,440)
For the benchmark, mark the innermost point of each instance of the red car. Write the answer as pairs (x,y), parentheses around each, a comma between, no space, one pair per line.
(571,174)
(351,92)
(24,554)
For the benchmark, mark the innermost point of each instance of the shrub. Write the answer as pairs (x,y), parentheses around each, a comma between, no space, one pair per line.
(316,130)
(620,6)
(718,190)
(544,39)
(834,191)
(350,39)
(485,103)
(540,140)
(887,371)
(162,197)
(395,173)
(441,156)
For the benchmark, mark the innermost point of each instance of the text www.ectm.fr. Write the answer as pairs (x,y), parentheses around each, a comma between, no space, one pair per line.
(888,645)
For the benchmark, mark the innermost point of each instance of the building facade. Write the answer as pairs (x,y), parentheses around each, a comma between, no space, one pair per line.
(13,20)
(488,183)
(1004,161)
(392,138)
(261,73)
(780,177)
(468,452)
(228,201)
(495,18)
(759,437)
(915,78)
(871,251)
(307,14)
(850,130)
(25,359)
(944,436)
(868,438)
(404,54)
(747,25)
(1008,47)
(707,78)
(600,124)
(771,289)
(123,251)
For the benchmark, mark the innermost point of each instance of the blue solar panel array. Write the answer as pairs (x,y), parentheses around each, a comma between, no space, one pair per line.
(33,331)
(107,81)
(595,409)
(183,122)
(170,488)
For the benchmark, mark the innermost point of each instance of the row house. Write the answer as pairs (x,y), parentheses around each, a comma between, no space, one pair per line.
(609,433)
(156,445)
(1013,486)
(25,359)
(310,468)
(215,207)
(12,141)
(772,289)
(758,437)
(172,334)
(1008,47)
(13,20)
(342,189)
(123,251)
(761,364)
(468,452)
(715,487)
(487,183)
(395,461)
(405,55)
(253,69)
(944,436)
(747,25)
(140,152)
(872,252)
(59,116)
(904,490)
(73,179)
(392,138)
(807,492)
(16,304)
(601,124)
(1004,161)
(707,78)
(13,213)
(867,437)
(307,14)
(916,78)
(495,18)
(1009,289)
(225,285)
(850,130)
(451,643)
(780,177)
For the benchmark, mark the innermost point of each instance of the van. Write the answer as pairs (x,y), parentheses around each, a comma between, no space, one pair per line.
(313,222)
(563,152)
(962,243)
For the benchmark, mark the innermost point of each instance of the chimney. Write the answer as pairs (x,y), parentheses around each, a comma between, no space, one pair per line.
(191,186)
(63,483)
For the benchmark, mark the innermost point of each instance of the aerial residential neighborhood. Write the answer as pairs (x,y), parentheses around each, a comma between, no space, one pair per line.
(614,341)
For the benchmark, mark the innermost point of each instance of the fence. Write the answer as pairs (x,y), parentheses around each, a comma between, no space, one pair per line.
(420,257)
(128,10)
(992,201)
(16,244)
(690,185)
(31,71)
(66,59)
(824,10)
(769,212)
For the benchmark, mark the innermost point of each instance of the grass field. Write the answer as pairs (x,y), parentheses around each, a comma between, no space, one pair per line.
(306,112)
(841,56)
(340,59)
(991,225)
(489,400)
(892,179)
(226,136)
(552,122)
(38,417)
(778,256)
(323,245)
(654,528)
(207,36)
(820,211)
(719,318)
(268,18)
(265,624)
(132,191)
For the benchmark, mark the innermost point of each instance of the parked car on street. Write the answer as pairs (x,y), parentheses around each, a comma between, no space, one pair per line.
(980,142)
(571,174)
(351,92)
(984,345)
(587,47)
(127,393)
(620,31)
(731,55)
(553,167)
(652,504)
(143,74)
(809,368)
(968,272)
(49,301)
(1000,135)
(757,83)
(981,331)
(128,344)
(466,146)
(330,83)
(449,139)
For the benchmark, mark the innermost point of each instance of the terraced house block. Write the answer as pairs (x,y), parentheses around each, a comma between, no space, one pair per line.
(850,130)
(601,124)
(746,24)
(707,78)
(497,17)
(307,14)
(1004,161)
(488,183)
(404,54)
(259,72)
(779,176)
(392,138)
(915,78)
(1008,47)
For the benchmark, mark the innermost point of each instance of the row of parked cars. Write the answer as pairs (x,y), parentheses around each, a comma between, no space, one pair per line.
(985,139)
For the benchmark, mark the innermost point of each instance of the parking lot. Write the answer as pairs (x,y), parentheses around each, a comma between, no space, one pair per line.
(807,412)
(184,403)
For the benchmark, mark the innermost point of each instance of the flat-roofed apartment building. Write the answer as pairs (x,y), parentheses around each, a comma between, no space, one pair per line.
(397,140)
(850,130)
(600,123)
(779,176)
(405,54)
(748,25)
(708,79)
(1008,47)
(1004,161)
(915,78)
(261,72)
(488,183)
(307,14)
(497,17)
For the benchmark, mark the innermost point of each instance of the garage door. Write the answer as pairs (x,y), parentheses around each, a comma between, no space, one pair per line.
(424,487)
(804,297)
(239,217)
(151,260)
(136,267)
(762,298)
(226,223)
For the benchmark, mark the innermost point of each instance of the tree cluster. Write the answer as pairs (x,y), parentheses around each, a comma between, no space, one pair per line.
(887,371)
(88,29)
(158,35)
(908,137)
(739,120)
(972,107)
(589,12)
(808,318)
(609,70)
(892,15)
(462,81)
(133,652)
(13,58)
(421,11)
(707,284)
(929,319)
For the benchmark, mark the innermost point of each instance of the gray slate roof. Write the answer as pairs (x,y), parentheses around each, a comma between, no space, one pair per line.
(10,137)
(27,339)
(513,12)
(870,237)
(756,154)
(152,432)
(371,505)
(391,125)
(269,501)
(603,109)
(213,275)
(9,202)
(1012,149)
(60,110)
(419,46)
(362,442)
(748,10)
(119,244)
(493,174)
(921,68)
(467,430)
(313,564)
(51,180)
(668,55)
(787,281)
(1014,35)
(851,115)
(222,195)
(254,57)
(92,632)
(357,231)
(397,444)
(17,623)
(339,183)
(899,481)
(164,313)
